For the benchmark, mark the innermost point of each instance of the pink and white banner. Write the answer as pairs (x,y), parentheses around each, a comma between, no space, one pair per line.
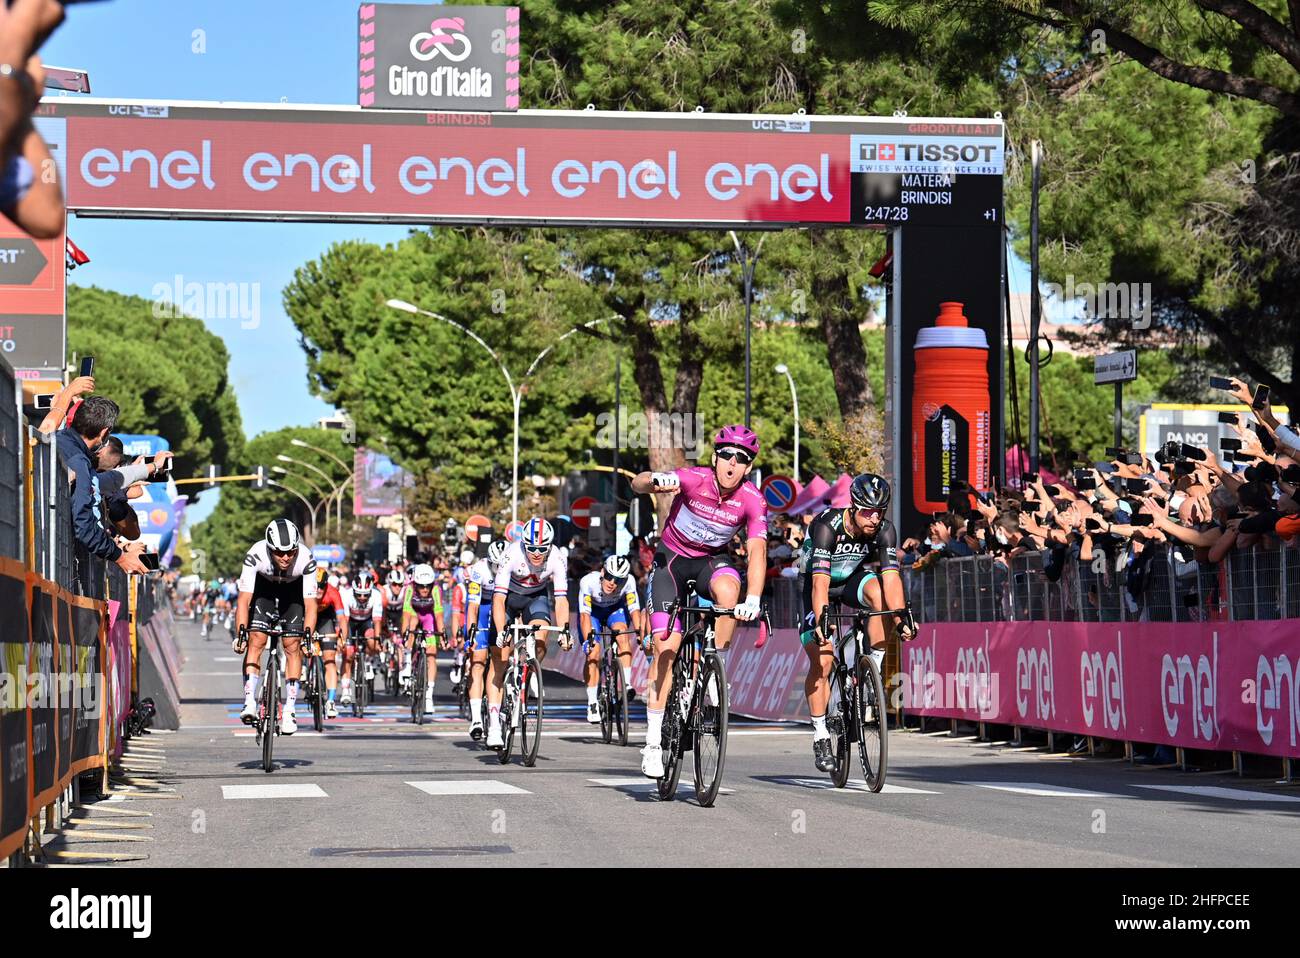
(764,683)
(1222,686)
(118,674)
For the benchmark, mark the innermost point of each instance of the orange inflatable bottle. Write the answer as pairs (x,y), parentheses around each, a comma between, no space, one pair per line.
(950,409)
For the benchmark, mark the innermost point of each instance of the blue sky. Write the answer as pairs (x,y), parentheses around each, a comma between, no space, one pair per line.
(301,51)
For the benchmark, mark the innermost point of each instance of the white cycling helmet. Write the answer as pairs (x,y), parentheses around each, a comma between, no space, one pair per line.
(497,552)
(282,536)
(363,582)
(423,574)
(467,557)
(538,533)
(617,568)
(396,577)
(333,580)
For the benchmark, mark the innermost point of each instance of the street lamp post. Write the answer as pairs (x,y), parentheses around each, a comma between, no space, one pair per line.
(747,264)
(323,474)
(516,393)
(311,515)
(324,496)
(338,516)
(794,397)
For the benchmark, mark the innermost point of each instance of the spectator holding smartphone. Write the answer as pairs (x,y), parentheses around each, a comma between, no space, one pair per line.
(77,443)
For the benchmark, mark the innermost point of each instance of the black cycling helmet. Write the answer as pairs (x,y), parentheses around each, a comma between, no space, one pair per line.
(869,491)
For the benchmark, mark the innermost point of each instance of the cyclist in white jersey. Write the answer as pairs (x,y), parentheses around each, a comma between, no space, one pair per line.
(478,628)
(608,602)
(277,589)
(524,584)
(363,611)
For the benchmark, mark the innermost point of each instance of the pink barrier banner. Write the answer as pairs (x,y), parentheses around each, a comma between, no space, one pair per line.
(118,674)
(764,683)
(1219,686)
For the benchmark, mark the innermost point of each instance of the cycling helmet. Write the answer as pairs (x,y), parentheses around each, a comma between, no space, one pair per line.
(333,580)
(742,437)
(869,491)
(363,582)
(282,536)
(451,523)
(422,574)
(617,568)
(538,533)
(396,577)
(467,557)
(497,552)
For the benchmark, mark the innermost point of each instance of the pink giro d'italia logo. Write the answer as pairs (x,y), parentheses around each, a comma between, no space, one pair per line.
(446,37)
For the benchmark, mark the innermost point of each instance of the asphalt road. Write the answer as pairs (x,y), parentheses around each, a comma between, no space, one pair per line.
(380,791)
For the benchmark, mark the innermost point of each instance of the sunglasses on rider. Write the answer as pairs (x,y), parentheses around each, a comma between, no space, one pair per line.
(867,514)
(738,455)
(284,554)
(536,550)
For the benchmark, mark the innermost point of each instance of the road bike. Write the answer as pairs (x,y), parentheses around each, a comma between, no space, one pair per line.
(313,683)
(523,697)
(857,711)
(695,716)
(363,674)
(270,696)
(465,676)
(611,690)
(419,676)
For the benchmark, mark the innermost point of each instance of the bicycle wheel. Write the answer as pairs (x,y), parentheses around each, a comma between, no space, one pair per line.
(318,693)
(419,678)
(605,702)
(270,700)
(709,721)
(507,714)
(530,719)
(671,738)
(362,690)
(873,723)
(618,701)
(839,719)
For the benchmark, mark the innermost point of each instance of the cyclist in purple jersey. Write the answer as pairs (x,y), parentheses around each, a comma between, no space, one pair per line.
(711,504)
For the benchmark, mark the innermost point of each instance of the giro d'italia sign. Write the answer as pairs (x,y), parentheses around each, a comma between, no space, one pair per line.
(422,57)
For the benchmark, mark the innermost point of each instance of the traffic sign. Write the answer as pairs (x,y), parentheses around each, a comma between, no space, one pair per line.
(514,531)
(779,491)
(1115,368)
(474,523)
(580,511)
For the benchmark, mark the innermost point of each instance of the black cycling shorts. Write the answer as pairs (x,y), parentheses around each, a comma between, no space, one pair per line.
(670,574)
(277,606)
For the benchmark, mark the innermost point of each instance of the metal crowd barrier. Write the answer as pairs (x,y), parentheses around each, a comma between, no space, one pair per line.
(1162,586)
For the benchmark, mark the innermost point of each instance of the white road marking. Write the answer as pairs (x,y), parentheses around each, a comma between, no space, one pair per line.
(306,790)
(1040,790)
(647,783)
(226,658)
(469,787)
(855,785)
(1216,791)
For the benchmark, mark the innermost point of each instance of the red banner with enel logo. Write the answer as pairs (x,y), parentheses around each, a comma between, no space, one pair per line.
(277,162)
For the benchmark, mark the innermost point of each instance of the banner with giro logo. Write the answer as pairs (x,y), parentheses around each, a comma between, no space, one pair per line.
(422,57)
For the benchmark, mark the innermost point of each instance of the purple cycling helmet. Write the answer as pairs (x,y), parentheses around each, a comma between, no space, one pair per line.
(738,436)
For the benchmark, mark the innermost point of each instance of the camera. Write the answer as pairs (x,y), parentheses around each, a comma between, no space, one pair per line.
(1142,519)
(1184,468)
(1191,452)
(1085,481)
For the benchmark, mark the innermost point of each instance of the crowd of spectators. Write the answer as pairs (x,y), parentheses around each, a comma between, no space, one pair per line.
(1189,505)
(104,524)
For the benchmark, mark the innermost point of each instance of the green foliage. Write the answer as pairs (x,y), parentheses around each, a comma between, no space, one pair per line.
(242,513)
(168,375)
